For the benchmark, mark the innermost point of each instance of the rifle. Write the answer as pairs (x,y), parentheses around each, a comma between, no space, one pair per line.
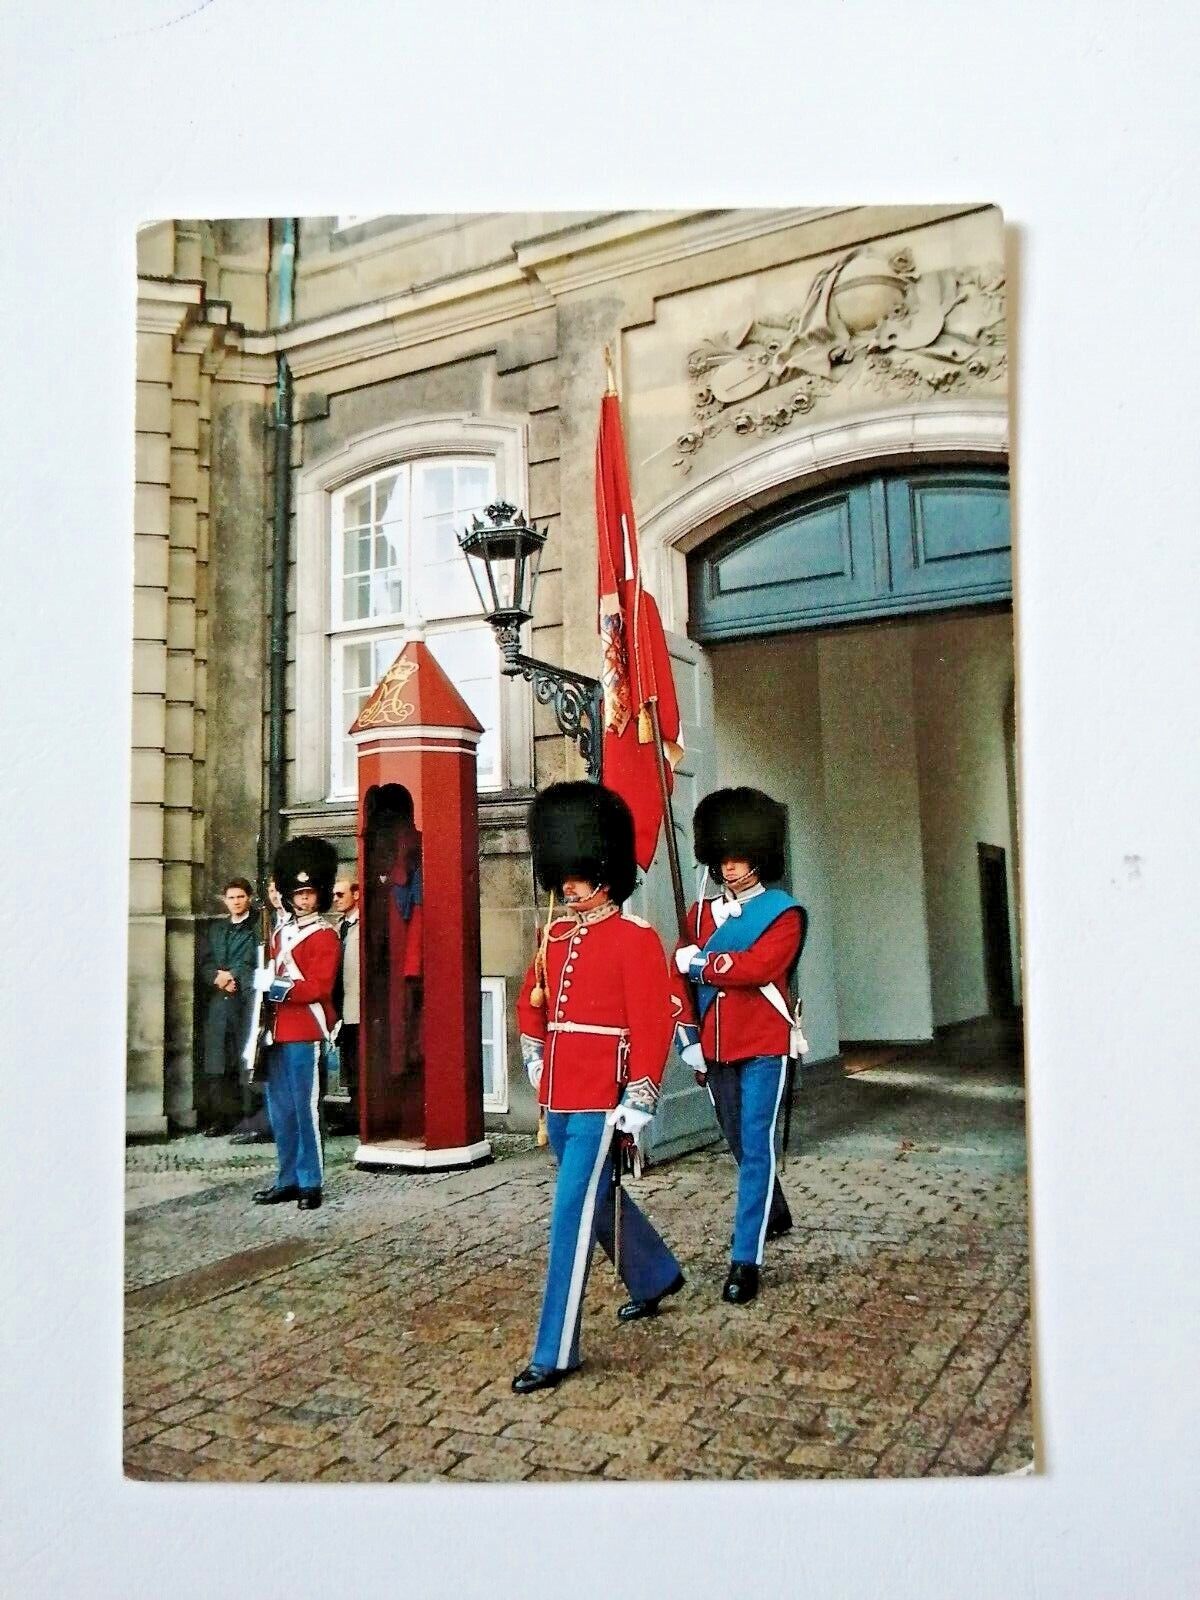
(256,1043)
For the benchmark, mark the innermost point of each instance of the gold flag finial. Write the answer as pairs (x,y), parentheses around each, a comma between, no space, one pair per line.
(610,369)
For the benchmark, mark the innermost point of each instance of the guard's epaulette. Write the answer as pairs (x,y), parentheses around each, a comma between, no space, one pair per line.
(562,922)
(638,922)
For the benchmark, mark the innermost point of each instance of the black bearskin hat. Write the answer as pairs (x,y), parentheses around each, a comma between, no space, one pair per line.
(583,830)
(742,825)
(305,863)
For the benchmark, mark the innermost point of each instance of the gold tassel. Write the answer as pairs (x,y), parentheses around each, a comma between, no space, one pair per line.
(537,995)
(543,1138)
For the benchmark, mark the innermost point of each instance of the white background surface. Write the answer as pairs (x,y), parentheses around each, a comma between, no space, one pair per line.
(1081,122)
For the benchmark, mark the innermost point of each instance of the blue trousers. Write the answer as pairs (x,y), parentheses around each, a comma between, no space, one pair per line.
(747,1096)
(581,1216)
(293,1105)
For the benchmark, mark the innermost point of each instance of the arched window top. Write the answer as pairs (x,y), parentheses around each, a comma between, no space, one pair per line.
(395,564)
(395,554)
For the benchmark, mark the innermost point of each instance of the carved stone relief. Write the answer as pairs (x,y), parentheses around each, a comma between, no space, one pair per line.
(867,325)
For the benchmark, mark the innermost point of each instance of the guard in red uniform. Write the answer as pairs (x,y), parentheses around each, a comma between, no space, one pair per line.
(297,983)
(735,1028)
(596,1021)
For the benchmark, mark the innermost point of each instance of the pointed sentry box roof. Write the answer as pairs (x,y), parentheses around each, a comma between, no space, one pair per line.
(415,692)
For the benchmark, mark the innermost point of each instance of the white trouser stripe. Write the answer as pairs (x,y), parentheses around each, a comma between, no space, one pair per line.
(762,1232)
(583,1249)
(315,1109)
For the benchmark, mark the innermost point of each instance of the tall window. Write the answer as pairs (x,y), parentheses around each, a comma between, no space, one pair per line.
(396,562)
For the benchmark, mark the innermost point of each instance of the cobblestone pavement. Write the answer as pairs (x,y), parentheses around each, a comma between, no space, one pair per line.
(376,1338)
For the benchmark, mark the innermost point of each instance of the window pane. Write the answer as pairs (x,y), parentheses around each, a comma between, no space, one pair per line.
(362,663)
(356,508)
(469,658)
(446,494)
(356,599)
(389,498)
(373,549)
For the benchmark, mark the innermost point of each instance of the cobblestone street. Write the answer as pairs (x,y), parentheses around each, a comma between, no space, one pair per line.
(375,1339)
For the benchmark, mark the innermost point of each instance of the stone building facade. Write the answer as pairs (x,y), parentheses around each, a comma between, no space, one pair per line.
(766,359)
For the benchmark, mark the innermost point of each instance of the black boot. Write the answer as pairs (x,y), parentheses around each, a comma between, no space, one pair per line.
(309,1200)
(742,1283)
(534,1377)
(275,1196)
(633,1310)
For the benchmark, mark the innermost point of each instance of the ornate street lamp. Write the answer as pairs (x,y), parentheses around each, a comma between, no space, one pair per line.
(504,555)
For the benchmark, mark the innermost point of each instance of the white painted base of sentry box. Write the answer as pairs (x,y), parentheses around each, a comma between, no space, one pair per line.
(410,1155)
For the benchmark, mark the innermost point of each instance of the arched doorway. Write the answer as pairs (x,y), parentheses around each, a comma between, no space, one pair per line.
(860,646)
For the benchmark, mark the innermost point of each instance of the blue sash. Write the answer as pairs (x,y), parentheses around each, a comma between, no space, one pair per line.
(739,933)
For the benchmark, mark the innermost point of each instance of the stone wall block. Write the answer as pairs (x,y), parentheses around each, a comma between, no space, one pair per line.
(147,972)
(149,721)
(177,887)
(152,408)
(149,666)
(181,675)
(180,730)
(178,787)
(183,524)
(177,835)
(543,437)
(549,760)
(152,509)
(506,882)
(185,425)
(507,941)
(185,473)
(145,891)
(182,570)
(155,358)
(150,614)
(181,623)
(186,378)
(156,250)
(150,561)
(147,777)
(189,253)
(547,611)
(145,832)
(543,489)
(152,458)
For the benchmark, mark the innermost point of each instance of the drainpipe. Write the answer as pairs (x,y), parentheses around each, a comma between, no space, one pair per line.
(284,310)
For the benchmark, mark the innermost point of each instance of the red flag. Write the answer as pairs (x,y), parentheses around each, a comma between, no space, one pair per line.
(636,665)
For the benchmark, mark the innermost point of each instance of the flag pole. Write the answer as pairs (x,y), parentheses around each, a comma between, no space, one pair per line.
(610,369)
(668,818)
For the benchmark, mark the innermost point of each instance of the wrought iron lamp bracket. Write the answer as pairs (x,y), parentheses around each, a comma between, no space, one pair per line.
(577,699)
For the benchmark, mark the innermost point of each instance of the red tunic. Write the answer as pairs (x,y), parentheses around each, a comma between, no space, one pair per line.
(610,974)
(741,1022)
(308,952)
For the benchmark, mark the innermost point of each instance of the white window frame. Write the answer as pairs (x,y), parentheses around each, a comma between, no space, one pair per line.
(498,989)
(395,626)
(505,440)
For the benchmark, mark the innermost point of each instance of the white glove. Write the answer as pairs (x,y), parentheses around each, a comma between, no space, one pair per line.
(531,1055)
(685,957)
(264,977)
(693,1057)
(723,909)
(628,1119)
